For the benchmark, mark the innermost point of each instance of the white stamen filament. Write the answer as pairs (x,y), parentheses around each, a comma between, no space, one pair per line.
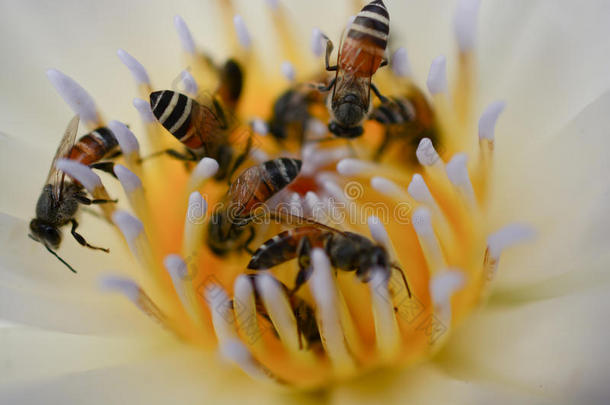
(178,271)
(437,77)
(500,240)
(487,122)
(420,192)
(244,307)
(259,126)
(231,347)
(130,182)
(428,241)
(315,158)
(134,293)
(186,39)
(205,169)
(190,85)
(442,287)
(241,30)
(507,237)
(76,97)
(315,127)
(427,155)
(317,42)
(135,192)
(131,228)
(137,70)
(260,155)
(144,110)
(128,143)
(279,310)
(353,167)
(81,173)
(137,240)
(388,188)
(288,71)
(324,290)
(194,225)
(386,327)
(400,63)
(465,24)
(458,175)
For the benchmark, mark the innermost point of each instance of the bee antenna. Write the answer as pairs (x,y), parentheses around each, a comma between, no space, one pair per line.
(404,279)
(59,258)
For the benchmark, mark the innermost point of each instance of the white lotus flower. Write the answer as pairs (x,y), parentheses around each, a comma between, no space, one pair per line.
(540,338)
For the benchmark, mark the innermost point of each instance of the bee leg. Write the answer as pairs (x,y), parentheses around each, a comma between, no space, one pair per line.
(189,157)
(82,199)
(305,268)
(381,97)
(79,238)
(384,62)
(382,146)
(106,167)
(323,89)
(329,50)
(247,247)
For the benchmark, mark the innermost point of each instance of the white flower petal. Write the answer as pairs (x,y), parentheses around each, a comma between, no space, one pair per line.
(553,347)
(36,289)
(27,355)
(176,374)
(561,188)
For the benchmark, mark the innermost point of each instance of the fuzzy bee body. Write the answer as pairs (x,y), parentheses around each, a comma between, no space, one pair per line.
(60,198)
(366,40)
(406,119)
(347,251)
(361,54)
(94,146)
(251,189)
(203,128)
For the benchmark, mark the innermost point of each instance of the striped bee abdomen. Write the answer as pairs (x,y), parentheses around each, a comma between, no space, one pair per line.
(257,184)
(283,247)
(397,111)
(278,173)
(366,40)
(94,146)
(173,111)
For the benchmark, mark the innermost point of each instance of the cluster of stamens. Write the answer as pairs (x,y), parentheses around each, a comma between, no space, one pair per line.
(428,213)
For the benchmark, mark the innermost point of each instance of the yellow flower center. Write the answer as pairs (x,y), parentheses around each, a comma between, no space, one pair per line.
(422,198)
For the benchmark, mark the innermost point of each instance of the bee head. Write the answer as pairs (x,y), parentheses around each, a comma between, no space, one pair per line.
(375,258)
(349,110)
(44,233)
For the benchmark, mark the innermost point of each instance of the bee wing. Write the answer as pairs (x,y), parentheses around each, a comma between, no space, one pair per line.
(211,121)
(243,188)
(56,177)
(297,220)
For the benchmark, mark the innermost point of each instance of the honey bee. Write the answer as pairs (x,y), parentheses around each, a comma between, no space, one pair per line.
(60,198)
(360,55)
(406,118)
(305,315)
(202,128)
(250,190)
(347,251)
(294,111)
(231,80)
(94,147)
